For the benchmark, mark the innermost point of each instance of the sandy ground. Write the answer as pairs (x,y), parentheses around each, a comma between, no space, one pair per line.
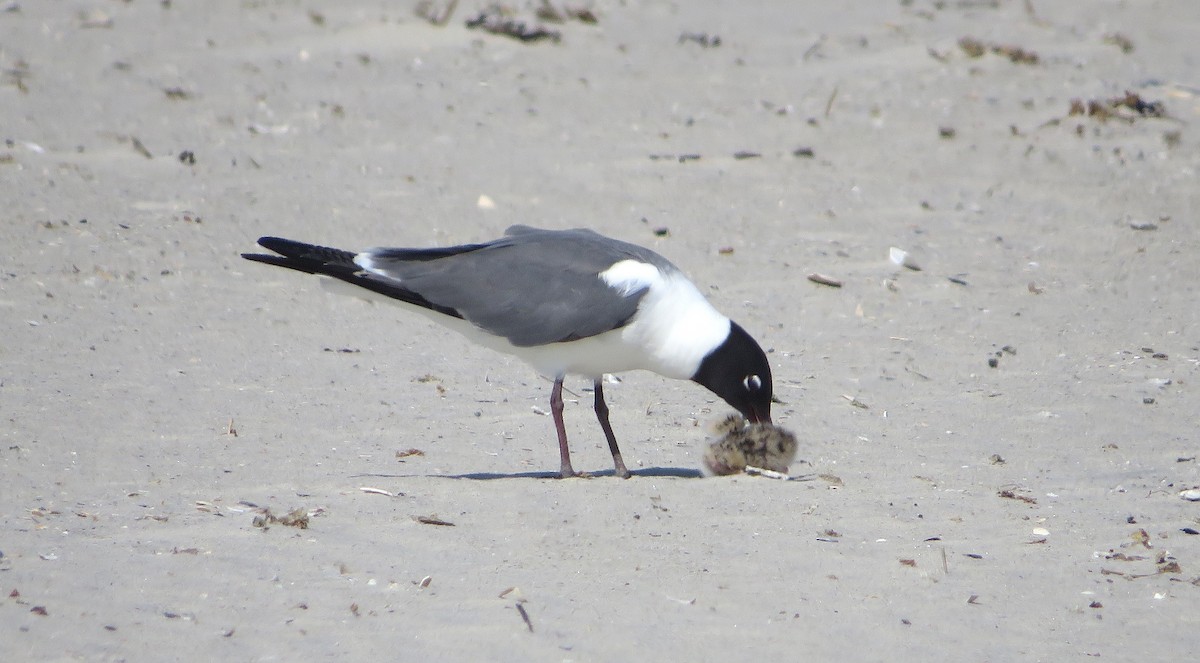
(950,510)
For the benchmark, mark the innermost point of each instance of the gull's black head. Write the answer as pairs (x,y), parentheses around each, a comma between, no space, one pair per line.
(737,371)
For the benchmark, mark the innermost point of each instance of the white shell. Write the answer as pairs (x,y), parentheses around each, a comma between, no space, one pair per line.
(903,259)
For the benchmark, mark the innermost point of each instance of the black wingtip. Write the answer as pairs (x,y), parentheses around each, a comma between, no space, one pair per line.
(279,261)
(302,257)
(291,248)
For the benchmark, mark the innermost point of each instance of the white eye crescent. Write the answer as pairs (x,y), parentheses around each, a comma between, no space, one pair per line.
(752,383)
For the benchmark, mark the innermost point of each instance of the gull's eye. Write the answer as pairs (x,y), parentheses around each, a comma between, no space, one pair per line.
(752,383)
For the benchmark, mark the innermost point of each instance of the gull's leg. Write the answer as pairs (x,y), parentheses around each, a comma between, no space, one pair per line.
(556,408)
(602,415)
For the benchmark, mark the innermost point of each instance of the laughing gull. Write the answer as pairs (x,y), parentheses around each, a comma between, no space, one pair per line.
(565,301)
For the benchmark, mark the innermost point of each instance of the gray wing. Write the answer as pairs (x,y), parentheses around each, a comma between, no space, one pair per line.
(532,286)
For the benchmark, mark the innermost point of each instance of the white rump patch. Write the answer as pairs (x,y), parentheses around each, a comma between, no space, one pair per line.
(630,276)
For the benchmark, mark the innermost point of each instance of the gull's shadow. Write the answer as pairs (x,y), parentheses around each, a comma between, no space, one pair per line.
(672,472)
